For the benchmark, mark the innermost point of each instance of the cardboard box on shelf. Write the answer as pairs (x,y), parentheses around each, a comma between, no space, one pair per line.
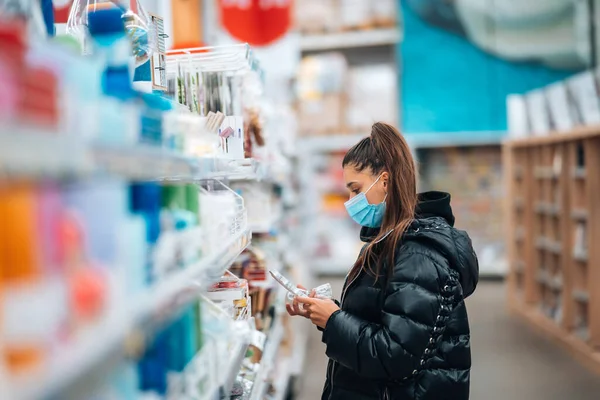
(355,14)
(321,116)
(316,16)
(372,94)
(384,13)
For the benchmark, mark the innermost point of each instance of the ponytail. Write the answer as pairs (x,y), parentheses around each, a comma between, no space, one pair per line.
(386,150)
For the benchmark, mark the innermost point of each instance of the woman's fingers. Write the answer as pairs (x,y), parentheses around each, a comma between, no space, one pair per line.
(289,309)
(301,310)
(313,293)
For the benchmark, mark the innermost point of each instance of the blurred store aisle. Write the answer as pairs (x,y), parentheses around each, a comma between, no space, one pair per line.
(510,361)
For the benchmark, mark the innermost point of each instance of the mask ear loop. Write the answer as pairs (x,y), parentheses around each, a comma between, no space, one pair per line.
(373,184)
(384,236)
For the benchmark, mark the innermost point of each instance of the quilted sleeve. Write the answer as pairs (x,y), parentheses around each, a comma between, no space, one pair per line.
(416,307)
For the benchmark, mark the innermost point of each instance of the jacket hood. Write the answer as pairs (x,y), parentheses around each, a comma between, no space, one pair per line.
(435,204)
(434,228)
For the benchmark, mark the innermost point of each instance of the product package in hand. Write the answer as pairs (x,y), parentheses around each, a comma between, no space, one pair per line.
(322,292)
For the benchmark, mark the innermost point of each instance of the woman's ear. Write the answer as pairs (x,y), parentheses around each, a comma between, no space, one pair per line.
(384,178)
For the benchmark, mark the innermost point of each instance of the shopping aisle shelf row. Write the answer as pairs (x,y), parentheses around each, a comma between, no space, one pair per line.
(65,156)
(110,334)
(350,39)
(269,356)
(343,142)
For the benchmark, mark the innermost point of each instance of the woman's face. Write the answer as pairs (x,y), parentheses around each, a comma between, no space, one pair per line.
(359,181)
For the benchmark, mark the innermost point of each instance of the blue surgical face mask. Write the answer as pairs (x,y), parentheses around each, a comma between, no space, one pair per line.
(365,214)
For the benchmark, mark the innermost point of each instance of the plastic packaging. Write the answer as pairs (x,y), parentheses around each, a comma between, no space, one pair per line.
(136,25)
(323,291)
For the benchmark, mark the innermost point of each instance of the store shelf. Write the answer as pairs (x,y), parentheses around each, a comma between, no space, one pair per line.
(577,347)
(91,348)
(65,156)
(579,215)
(343,142)
(266,226)
(329,143)
(583,132)
(350,39)
(269,355)
(283,378)
(201,273)
(62,156)
(236,356)
(105,338)
(561,192)
(428,140)
(141,162)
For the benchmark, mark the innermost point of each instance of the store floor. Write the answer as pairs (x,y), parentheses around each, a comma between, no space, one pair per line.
(510,361)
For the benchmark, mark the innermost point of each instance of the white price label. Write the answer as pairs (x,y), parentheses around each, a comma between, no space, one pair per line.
(538,113)
(584,91)
(558,103)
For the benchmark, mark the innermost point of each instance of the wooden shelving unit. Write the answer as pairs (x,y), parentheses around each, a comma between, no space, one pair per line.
(553,213)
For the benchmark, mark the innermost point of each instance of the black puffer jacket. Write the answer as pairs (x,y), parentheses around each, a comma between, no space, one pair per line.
(408,338)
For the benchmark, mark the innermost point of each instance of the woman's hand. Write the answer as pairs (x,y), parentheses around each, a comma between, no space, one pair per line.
(295,308)
(318,310)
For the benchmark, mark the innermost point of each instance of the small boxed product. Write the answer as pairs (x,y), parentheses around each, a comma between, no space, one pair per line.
(517,121)
(372,97)
(537,108)
(355,14)
(322,115)
(316,16)
(584,91)
(384,13)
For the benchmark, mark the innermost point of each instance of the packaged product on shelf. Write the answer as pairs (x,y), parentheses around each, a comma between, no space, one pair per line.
(583,89)
(355,14)
(372,96)
(384,13)
(135,25)
(221,92)
(538,113)
(561,110)
(218,215)
(580,241)
(321,84)
(517,117)
(316,16)
(233,293)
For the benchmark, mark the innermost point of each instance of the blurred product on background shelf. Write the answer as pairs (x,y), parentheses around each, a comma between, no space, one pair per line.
(557,108)
(114,228)
(320,86)
(334,98)
(473,176)
(371,96)
(317,16)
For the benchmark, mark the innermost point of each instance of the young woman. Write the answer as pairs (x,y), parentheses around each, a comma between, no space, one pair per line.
(400,330)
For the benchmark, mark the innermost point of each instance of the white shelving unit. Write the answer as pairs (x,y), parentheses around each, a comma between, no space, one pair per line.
(268,358)
(352,39)
(60,156)
(105,337)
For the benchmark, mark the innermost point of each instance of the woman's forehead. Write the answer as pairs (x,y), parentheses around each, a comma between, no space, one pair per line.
(351,174)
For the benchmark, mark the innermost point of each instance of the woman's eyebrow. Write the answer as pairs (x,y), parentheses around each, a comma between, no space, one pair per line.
(350,183)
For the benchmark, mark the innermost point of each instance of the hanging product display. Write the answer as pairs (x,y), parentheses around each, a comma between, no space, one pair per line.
(136,25)
(221,81)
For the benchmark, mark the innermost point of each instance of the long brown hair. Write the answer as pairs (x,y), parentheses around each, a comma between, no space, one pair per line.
(386,150)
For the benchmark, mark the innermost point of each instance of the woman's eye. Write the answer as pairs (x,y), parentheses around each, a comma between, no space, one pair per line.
(355,191)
